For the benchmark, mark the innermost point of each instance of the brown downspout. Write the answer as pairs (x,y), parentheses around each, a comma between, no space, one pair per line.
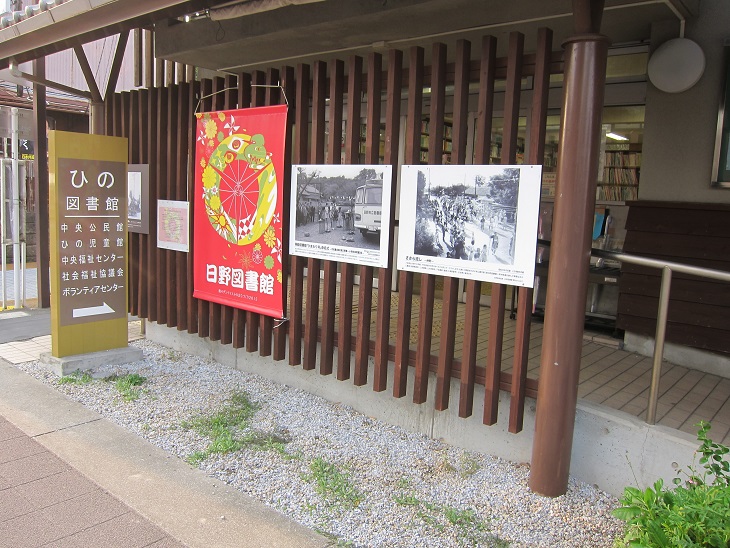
(585,78)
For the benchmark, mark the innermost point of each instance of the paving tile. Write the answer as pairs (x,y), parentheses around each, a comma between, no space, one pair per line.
(126,531)
(61,520)
(26,531)
(8,431)
(18,448)
(56,488)
(74,515)
(13,504)
(31,468)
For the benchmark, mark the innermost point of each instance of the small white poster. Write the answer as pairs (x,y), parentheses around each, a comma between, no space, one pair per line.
(173,225)
(473,222)
(341,213)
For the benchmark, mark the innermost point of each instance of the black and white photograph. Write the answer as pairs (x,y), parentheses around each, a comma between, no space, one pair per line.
(341,213)
(138,198)
(134,193)
(477,222)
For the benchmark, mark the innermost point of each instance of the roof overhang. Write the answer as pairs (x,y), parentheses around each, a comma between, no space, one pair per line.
(322,29)
(76,22)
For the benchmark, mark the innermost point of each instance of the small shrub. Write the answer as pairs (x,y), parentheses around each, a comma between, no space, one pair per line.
(695,513)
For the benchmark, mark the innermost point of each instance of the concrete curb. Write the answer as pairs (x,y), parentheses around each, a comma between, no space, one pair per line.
(191,507)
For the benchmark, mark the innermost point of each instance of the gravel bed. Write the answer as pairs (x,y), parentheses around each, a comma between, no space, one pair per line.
(357,480)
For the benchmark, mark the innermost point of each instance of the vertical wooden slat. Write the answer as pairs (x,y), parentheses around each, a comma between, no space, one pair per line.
(161,165)
(288,84)
(159,71)
(337,82)
(347,274)
(509,156)
(144,239)
(149,59)
(109,116)
(193,304)
(169,73)
(214,104)
(301,140)
(229,98)
(181,193)
(266,327)
(372,150)
(172,130)
(124,119)
(133,238)
(451,285)
(473,287)
(244,90)
(258,94)
(482,150)
(117,123)
(138,57)
(319,93)
(179,73)
(524,303)
(435,151)
(239,316)
(405,281)
(206,87)
(152,159)
(394,87)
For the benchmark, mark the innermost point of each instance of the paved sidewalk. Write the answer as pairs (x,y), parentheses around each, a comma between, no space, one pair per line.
(45,502)
(69,477)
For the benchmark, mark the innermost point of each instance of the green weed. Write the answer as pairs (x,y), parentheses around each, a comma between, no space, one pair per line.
(227,433)
(332,484)
(471,530)
(334,540)
(127,386)
(77,377)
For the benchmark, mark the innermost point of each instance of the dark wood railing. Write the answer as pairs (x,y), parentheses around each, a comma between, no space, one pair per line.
(160,126)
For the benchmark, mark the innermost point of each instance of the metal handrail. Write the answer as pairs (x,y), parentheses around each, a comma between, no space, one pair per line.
(667,268)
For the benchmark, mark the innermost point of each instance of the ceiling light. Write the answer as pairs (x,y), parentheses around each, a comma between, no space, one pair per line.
(616,136)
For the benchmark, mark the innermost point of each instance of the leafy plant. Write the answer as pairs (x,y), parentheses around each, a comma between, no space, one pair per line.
(77,377)
(712,460)
(127,386)
(221,427)
(695,513)
(332,484)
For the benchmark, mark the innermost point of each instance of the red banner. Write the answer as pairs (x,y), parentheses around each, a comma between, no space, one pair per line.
(238,202)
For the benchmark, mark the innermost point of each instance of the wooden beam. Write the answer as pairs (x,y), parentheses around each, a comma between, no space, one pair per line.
(88,74)
(116,67)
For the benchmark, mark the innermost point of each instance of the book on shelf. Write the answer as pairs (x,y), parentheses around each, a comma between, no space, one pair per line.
(615,193)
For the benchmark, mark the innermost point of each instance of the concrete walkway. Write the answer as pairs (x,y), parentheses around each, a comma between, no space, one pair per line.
(69,477)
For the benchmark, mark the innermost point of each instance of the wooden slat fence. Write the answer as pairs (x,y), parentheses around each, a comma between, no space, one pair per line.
(326,102)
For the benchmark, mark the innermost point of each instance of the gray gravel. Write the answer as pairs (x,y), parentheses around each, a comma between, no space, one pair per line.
(388,487)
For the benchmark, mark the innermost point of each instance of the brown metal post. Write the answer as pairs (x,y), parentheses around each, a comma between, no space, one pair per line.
(585,75)
(43,257)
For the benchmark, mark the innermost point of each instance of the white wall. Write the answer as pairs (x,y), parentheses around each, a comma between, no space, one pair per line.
(679,131)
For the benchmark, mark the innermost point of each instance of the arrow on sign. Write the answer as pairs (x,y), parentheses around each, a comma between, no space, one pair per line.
(92,311)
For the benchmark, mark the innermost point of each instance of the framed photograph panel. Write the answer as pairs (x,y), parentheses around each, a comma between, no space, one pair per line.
(341,213)
(472,222)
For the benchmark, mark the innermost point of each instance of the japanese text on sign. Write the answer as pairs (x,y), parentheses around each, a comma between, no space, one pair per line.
(92,240)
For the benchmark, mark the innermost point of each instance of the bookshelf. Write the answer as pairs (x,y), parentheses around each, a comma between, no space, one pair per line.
(621,170)
(446,146)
